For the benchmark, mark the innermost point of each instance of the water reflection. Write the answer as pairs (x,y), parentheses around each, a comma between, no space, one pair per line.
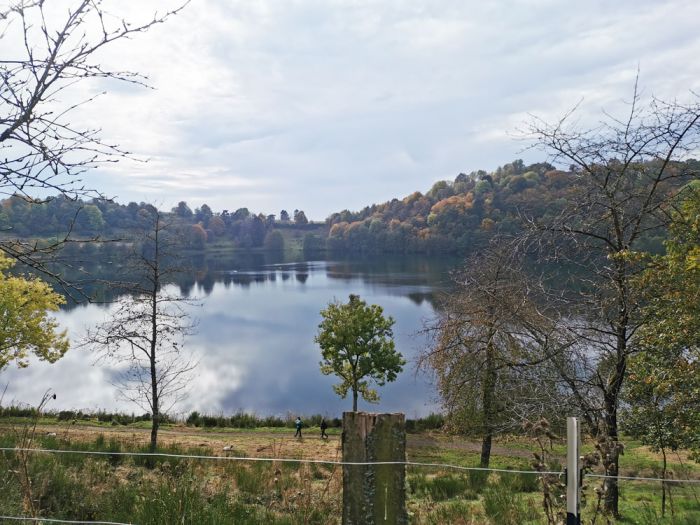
(257,320)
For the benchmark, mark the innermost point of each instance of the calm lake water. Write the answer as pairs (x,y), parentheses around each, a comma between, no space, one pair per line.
(257,318)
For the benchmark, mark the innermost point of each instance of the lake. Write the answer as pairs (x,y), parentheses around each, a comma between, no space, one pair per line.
(257,317)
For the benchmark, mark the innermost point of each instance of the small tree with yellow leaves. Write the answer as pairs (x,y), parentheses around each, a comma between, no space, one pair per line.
(25,324)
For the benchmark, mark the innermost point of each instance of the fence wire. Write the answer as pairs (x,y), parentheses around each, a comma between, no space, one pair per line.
(53,520)
(636,478)
(335,462)
(278,460)
(298,461)
(244,459)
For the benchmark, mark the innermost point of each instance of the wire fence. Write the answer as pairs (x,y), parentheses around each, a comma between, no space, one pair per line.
(337,463)
(53,520)
(637,478)
(310,461)
(278,460)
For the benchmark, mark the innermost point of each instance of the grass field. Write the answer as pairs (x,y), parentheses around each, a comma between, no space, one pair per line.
(147,490)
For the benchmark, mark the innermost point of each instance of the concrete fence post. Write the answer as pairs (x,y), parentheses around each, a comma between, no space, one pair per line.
(374,494)
(573,472)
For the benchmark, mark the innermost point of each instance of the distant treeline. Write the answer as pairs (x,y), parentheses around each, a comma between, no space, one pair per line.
(75,416)
(57,216)
(452,217)
(203,420)
(246,420)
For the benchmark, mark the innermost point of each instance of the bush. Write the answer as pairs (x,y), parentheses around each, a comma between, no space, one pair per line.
(430,422)
(193,420)
(209,421)
(66,415)
(243,420)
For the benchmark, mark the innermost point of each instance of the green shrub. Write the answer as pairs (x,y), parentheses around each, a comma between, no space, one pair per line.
(502,503)
(429,422)
(66,415)
(209,421)
(194,420)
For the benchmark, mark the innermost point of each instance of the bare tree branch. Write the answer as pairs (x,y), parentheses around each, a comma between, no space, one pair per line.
(42,151)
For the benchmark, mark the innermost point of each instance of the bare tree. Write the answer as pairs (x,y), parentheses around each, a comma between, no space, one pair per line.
(44,59)
(488,339)
(624,172)
(146,328)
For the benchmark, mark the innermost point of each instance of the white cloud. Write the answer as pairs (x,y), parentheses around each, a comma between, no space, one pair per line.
(279,104)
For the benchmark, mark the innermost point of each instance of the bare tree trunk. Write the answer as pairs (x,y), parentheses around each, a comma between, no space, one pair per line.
(485,451)
(612,394)
(354,400)
(663,483)
(611,463)
(612,450)
(155,409)
(488,401)
(155,415)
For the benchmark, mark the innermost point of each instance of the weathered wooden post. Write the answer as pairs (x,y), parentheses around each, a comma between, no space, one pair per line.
(374,494)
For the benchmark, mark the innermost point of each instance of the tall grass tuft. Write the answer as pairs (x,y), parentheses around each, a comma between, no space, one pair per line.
(503,503)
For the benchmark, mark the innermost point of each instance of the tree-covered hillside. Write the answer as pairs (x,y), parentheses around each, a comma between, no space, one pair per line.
(461,215)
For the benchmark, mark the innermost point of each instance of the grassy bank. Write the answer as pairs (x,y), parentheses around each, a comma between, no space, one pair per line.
(147,490)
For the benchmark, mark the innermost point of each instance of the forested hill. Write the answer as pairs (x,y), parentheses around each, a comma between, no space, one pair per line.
(452,217)
(461,215)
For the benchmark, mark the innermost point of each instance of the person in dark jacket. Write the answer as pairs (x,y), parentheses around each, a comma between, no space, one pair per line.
(297,425)
(324,426)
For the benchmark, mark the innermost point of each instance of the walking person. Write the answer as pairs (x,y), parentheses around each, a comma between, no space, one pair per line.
(297,425)
(324,426)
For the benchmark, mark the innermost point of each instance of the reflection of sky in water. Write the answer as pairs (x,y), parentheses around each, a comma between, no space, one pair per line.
(255,344)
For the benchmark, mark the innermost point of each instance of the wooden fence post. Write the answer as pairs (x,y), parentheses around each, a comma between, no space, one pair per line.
(374,494)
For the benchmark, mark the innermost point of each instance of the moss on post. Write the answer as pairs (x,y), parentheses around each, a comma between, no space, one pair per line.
(374,494)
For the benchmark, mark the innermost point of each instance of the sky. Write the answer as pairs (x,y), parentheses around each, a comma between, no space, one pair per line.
(322,105)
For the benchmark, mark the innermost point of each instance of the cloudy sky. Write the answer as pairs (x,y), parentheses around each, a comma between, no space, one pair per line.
(322,105)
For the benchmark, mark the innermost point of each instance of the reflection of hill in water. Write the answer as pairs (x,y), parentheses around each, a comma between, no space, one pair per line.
(414,277)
